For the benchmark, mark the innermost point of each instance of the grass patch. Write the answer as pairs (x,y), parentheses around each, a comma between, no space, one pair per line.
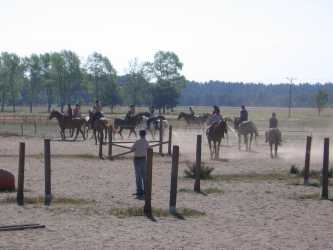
(252,177)
(39,200)
(212,190)
(158,212)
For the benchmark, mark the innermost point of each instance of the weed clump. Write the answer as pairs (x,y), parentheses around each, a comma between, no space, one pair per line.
(205,171)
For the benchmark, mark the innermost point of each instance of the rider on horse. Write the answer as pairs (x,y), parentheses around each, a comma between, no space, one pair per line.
(273,121)
(69,112)
(215,119)
(152,118)
(96,113)
(130,114)
(273,124)
(191,112)
(243,114)
(77,111)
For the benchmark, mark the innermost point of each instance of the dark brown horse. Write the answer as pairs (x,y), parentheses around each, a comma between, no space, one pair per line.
(273,137)
(245,129)
(68,123)
(214,135)
(190,119)
(129,124)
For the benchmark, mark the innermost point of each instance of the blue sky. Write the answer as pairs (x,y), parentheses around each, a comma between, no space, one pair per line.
(231,40)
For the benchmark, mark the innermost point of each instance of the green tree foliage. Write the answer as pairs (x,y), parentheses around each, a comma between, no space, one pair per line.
(321,100)
(33,73)
(12,73)
(165,72)
(65,72)
(136,88)
(101,79)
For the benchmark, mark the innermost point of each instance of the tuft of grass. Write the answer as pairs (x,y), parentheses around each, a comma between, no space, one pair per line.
(205,171)
(213,190)
(158,212)
(293,170)
(39,200)
(253,177)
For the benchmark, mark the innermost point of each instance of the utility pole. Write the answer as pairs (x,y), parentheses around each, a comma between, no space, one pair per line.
(290,79)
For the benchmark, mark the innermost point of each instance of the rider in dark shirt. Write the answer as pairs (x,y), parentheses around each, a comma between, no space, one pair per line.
(152,117)
(69,112)
(243,114)
(130,113)
(273,121)
(191,111)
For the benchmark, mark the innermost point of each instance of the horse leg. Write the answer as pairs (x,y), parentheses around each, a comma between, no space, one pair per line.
(82,133)
(239,141)
(246,141)
(210,148)
(95,136)
(276,149)
(271,148)
(77,133)
(121,135)
(251,136)
(63,134)
(218,149)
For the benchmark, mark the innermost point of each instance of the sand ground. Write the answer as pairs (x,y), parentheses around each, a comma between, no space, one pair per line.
(251,213)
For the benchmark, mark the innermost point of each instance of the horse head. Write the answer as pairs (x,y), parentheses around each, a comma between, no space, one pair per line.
(181,115)
(236,122)
(54,114)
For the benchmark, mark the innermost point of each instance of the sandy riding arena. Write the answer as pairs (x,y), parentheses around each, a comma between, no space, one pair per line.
(250,201)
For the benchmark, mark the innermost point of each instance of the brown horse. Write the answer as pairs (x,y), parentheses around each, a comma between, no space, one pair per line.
(245,129)
(273,137)
(68,123)
(215,134)
(130,124)
(190,119)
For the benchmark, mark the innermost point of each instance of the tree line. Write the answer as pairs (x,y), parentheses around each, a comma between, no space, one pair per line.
(59,78)
(62,78)
(256,94)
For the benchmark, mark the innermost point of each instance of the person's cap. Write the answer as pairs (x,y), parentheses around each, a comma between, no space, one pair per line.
(142,133)
(273,114)
(243,106)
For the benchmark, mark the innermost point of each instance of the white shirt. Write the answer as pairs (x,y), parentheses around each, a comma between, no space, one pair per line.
(140,147)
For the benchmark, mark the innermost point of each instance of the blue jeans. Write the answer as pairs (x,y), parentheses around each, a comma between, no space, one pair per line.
(140,175)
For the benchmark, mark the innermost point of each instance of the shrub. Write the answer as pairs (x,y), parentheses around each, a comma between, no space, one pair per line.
(293,170)
(205,172)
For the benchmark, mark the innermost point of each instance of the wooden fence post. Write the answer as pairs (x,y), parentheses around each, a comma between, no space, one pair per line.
(20,179)
(110,143)
(148,183)
(307,160)
(170,140)
(174,177)
(198,164)
(161,139)
(100,153)
(324,190)
(47,172)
